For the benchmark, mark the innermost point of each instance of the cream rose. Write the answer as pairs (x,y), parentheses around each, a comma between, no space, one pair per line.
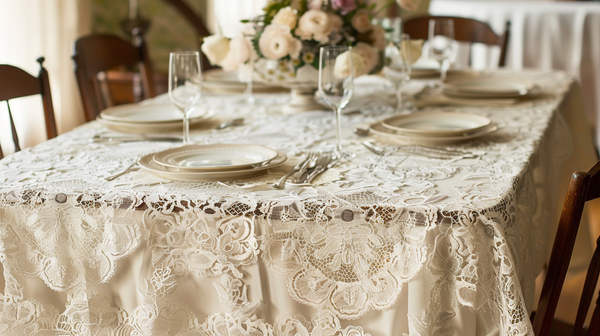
(361,21)
(342,65)
(239,52)
(314,25)
(215,47)
(287,17)
(276,41)
(369,55)
(377,37)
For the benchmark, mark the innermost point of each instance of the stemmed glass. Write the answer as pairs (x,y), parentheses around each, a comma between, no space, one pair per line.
(336,83)
(397,66)
(245,76)
(185,82)
(441,43)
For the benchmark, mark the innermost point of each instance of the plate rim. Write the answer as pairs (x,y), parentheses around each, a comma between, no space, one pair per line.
(163,154)
(438,140)
(146,160)
(107,116)
(450,89)
(439,133)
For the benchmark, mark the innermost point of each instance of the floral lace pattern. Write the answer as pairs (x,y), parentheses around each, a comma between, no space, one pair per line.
(345,246)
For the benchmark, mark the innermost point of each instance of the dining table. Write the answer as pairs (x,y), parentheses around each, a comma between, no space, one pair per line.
(394,243)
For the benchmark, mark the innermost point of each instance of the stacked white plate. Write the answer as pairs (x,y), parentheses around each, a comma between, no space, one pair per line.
(217,80)
(433,127)
(135,118)
(489,87)
(212,162)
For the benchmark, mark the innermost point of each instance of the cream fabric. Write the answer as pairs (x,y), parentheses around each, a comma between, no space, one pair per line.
(380,245)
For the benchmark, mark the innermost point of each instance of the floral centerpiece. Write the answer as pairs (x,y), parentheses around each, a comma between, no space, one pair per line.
(281,46)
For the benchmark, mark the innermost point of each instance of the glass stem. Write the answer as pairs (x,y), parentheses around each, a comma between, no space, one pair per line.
(186,128)
(248,93)
(338,128)
(445,66)
(399,105)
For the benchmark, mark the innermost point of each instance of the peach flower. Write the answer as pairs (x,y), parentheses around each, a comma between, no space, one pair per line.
(361,21)
(314,25)
(276,41)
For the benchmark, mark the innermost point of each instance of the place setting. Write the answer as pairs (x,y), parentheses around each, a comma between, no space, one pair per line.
(432,127)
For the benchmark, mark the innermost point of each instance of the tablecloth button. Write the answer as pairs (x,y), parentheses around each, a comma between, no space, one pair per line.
(61,198)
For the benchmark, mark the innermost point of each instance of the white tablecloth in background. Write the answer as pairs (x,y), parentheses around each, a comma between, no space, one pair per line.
(545,35)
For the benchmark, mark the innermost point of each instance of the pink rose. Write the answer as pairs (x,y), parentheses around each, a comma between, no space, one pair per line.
(344,6)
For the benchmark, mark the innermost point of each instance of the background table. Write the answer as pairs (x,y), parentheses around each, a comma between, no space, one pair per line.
(545,35)
(380,245)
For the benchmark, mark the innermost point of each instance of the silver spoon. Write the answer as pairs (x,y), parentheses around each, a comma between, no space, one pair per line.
(360,131)
(228,123)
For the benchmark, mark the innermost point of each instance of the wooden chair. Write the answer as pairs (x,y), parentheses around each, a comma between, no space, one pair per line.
(465,30)
(197,23)
(96,58)
(16,83)
(584,186)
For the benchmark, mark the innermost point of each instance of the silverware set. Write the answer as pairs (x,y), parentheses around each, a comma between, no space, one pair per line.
(315,163)
(421,150)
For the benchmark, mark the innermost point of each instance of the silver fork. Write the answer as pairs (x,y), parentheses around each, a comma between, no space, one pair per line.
(281,183)
(310,164)
(125,170)
(322,165)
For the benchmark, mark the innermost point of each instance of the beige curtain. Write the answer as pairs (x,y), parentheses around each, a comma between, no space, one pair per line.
(33,28)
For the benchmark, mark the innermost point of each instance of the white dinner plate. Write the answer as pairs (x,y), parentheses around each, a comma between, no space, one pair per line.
(151,127)
(387,134)
(488,87)
(148,164)
(218,157)
(136,113)
(436,123)
(217,80)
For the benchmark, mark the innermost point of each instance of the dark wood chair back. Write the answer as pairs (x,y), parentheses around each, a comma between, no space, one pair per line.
(197,23)
(96,57)
(16,83)
(465,30)
(584,186)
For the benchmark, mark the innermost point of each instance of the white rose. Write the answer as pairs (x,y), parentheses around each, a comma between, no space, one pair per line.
(215,47)
(286,17)
(314,25)
(377,37)
(369,55)
(342,65)
(276,41)
(361,21)
(409,5)
(239,53)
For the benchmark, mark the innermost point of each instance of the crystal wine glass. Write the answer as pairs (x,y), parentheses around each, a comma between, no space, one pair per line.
(397,66)
(441,43)
(336,82)
(185,81)
(245,73)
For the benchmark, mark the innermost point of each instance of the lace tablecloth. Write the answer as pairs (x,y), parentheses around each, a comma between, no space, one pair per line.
(239,258)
